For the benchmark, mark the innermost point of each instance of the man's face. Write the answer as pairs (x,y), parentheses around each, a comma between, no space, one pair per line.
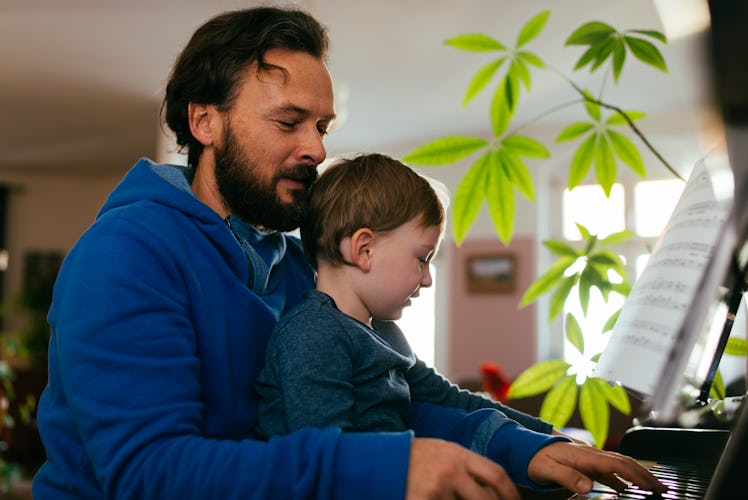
(272,140)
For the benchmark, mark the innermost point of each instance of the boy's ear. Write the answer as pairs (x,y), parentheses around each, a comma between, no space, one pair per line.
(203,120)
(360,248)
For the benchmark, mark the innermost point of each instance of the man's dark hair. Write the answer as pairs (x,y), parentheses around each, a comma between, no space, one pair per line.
(211,65)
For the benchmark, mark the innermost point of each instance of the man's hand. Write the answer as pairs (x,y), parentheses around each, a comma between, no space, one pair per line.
(576,466)
(442,470)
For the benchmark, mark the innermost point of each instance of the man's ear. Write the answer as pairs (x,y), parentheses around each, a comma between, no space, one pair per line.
(359,248)
(203,120)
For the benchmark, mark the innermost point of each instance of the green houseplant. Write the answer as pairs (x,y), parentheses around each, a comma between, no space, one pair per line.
(23,366)
(602,142)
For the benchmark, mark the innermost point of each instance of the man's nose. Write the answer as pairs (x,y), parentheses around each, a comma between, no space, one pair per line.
(313,147)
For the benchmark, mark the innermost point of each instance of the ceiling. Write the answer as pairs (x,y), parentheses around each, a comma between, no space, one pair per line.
(81,81)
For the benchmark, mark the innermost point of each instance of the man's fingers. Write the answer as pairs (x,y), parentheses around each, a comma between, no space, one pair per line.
(575,467)
(439,469)
(491,478)
(632,471)
(545,468)
(613,481)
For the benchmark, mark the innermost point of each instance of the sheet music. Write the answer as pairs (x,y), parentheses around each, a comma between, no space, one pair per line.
(656,307)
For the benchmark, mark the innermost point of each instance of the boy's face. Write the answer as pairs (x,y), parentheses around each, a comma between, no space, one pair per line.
(399,268)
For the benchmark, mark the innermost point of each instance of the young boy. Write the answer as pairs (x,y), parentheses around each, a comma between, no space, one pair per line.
(337,360)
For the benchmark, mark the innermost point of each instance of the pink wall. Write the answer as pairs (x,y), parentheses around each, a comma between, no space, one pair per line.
(490,326)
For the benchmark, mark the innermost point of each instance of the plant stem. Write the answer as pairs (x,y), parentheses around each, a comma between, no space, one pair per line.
(621,112)
(632,126)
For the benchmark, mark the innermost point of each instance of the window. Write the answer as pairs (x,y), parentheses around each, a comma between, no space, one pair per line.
(418,322)
(643,207)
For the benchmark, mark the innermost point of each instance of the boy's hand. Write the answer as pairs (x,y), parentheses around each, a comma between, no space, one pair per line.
(443,470)
(576,466)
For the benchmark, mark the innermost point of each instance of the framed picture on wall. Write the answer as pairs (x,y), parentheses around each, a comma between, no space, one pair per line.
(491,273)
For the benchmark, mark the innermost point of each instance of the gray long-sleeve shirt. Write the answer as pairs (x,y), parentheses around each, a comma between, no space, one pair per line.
(326,369)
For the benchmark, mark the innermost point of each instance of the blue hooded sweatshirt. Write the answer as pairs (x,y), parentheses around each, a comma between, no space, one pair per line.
(160,320)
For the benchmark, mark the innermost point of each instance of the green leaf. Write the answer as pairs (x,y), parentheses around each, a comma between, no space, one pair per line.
(538,378)
(530,58)
(500,197)
(475,42)
(582,160)
(481,79)
(586,281)
(518,173)
(627,152)
(652,34)
(574,130)
(445,150)
(469,197)
(598,273)
(559,403)
(616,396)
(501,111)
(717,390)
(532,28)
(604,49)
(603,284)
(618,119)
(590,33)
(547,281)
(574,333)
(619,57)
(561,248)
(608,326)
(519,71)
(586,236)
(593,408)
(736,347)
(587,57)
(646,52)
(605,166)
(607,260)
(617,237)
(511,92)
(558,299)
(621,288)
(591,106)
(525,146)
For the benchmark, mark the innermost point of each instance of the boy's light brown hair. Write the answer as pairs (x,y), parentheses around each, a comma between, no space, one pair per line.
(369,191)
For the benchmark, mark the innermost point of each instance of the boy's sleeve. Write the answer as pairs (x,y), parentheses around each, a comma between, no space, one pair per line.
(429,386)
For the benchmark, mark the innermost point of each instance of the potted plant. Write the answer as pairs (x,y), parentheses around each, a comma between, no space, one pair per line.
(23,366)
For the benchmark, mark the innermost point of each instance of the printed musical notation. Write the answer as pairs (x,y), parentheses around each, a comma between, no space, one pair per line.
(656,307)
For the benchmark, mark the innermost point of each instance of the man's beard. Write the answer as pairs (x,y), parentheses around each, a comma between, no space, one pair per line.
(252,199)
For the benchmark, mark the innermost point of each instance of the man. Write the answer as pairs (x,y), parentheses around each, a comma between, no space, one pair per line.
(162,310)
